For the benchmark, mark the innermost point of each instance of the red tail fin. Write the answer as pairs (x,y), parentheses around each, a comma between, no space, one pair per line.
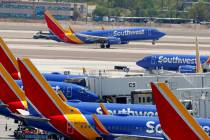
(50,105)
(175,120)
(10,93)
(8,60)
(54,25)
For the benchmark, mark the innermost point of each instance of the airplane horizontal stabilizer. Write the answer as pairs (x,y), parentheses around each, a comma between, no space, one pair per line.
(31,118)
(3,105)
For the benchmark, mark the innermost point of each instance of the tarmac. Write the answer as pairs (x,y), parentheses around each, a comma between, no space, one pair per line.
(49,55)
(9,132)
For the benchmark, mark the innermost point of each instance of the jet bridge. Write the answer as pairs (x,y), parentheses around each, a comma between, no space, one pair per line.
(136,89)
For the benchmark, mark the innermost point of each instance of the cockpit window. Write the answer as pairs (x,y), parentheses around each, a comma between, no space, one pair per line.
(83,90)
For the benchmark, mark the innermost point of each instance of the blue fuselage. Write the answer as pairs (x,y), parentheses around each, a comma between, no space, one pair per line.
(125,35)
(71,91)
(170,62)
(148,127)
(58,77)
(116,109)
(118,36)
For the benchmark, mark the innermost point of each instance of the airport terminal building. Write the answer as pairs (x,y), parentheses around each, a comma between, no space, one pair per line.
(35,10)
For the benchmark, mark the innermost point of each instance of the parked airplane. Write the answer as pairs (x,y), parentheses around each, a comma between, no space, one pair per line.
(103,37)
(176,62)
(6,96)
(175,120)
(71,91)
(9,61)
(73,123)
(172,62)
(12,96)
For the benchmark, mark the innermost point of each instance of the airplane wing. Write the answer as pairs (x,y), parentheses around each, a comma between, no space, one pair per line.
(31,118)
(2,105)
(104,131)
(99,39)
(136,136)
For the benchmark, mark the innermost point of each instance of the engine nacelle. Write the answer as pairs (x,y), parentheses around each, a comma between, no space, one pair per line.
(187,69)
(53,37)
(124,42)
(114,40)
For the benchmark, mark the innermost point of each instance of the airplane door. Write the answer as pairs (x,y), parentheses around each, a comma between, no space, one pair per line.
(153,60)
(149,32)
(69,92)
(69,128)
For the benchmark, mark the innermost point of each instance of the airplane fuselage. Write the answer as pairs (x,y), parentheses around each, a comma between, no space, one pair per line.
(115,109)
(125,35)
(137,126)
(171,62)
(71,91)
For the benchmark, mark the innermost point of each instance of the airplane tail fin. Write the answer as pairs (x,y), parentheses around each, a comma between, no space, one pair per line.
(40,93)
(10,93)
(8,60)
(175,120)
(45,100)
(54,26)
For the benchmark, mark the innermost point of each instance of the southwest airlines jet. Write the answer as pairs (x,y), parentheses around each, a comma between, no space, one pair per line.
(71,91)
(104,37)
(8,60)
(12,96)
(172,62)
(71,123)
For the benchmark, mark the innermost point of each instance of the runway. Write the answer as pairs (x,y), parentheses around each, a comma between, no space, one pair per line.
(178,40)
(51,56)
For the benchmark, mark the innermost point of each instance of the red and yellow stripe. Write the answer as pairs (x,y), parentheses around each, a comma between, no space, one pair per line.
(8,60)
(208,60)
(10,92)
(56,28)
(178,115)
(51,106)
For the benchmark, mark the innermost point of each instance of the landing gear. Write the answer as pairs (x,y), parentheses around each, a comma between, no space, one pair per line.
(153,42)
(105,46)
(108,46)
(102,46)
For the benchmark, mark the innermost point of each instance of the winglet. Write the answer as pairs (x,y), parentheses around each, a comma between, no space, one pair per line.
(99,125)
(104,109)
(175,120)
(8,60)
(10,93)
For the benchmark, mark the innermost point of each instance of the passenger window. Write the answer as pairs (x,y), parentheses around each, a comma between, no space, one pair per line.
(143,99)
(148,99)
(82,91)
(139,99)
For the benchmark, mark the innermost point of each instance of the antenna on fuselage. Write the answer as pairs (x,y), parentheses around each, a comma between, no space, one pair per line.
(199,68)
